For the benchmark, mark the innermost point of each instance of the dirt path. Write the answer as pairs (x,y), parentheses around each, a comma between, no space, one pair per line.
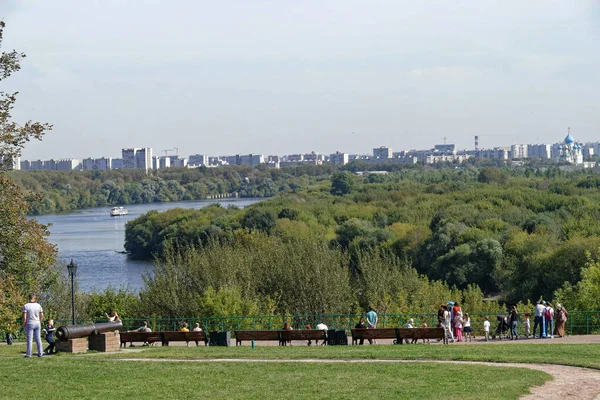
(566,383)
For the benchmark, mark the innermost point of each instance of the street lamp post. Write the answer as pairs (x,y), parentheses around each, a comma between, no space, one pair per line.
(72,268)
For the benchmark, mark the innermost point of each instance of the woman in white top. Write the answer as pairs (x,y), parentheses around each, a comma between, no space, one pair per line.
(467,327)
(31,316)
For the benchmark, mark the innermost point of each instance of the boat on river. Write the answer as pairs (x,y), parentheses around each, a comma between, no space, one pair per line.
(118,211)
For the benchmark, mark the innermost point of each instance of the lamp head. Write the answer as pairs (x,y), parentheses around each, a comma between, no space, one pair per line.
(72,268)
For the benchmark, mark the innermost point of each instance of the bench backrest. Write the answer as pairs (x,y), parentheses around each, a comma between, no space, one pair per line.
(304,334)
(257,335)
(177,336)
(135,336)
(377,333)
(421,333)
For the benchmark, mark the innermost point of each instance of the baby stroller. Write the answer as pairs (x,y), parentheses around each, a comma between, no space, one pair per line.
(503,328)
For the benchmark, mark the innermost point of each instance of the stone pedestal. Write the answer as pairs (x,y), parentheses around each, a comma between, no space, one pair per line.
(106,341)
(79,345)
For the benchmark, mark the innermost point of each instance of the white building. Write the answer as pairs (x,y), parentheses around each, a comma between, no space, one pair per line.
(198,159)
(571,152)
(498,152)
(137,157)
(518,151)
(541,151)
(97,164)
(68,164)
(338,158)
(382,152)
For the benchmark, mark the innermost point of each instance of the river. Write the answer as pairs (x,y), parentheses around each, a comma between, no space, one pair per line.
(95,240)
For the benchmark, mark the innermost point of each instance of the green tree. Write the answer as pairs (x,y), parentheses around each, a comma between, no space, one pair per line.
(342,183)
(26,257)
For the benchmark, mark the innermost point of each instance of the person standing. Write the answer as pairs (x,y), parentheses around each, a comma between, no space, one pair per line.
(447,325)
(549,317)
(458,326)
(514,319)
(527,326)
(467,328)
(456,311)
(371,321)
(31,315)
(561,320)
(538,319)
(49,331)
(486,328)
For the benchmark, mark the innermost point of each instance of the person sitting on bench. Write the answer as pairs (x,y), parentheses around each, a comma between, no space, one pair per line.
(322,327)
(361,325)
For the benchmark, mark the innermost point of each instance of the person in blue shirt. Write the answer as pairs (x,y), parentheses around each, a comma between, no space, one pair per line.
(371,321)
(49,331)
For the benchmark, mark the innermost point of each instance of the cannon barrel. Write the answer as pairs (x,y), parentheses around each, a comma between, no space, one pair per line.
(79,331)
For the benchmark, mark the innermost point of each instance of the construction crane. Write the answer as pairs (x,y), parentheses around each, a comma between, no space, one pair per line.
(175,149)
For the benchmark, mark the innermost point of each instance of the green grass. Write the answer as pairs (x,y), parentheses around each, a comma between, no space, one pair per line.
(96,377)
(581,355)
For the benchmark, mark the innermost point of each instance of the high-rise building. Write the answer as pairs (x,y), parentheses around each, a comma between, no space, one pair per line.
(68,164)
(177,161)
(10,163)
(37,165)
(49,165)
(198,159)
(116,163)
(97,164)
(338,158)
(382,152)
(518,151)
(541,151)
(137,157)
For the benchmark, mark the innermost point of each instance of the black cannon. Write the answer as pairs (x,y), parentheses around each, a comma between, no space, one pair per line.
(79,331)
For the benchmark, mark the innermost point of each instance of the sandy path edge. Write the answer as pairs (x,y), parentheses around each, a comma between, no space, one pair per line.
(567,382)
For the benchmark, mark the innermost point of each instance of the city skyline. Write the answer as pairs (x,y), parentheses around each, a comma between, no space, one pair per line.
(279,77)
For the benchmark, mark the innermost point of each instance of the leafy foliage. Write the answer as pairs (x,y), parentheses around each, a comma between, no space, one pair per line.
(26,257)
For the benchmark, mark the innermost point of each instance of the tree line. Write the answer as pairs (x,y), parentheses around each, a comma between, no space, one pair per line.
(522,236)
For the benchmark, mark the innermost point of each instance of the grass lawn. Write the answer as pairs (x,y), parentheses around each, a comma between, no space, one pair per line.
(96,377)
(582,355)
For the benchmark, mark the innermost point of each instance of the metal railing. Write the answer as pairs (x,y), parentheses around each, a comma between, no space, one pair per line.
(578,322)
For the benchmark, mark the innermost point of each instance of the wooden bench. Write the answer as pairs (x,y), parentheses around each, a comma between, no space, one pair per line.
(257,336)
(144,337)
(164,337)
(399,334)
(176,336)
(303,334)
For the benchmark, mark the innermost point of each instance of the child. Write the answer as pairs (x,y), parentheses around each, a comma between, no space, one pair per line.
(467,327)
(527,326)
(458,326)
(49,331)
(486,328)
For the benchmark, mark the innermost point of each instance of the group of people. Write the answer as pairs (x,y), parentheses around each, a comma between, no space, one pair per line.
(454,322)
(551,322)
(32,316)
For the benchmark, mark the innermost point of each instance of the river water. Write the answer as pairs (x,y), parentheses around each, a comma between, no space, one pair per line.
(95,240)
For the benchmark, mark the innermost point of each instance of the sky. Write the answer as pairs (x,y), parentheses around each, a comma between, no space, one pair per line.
(280,76)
